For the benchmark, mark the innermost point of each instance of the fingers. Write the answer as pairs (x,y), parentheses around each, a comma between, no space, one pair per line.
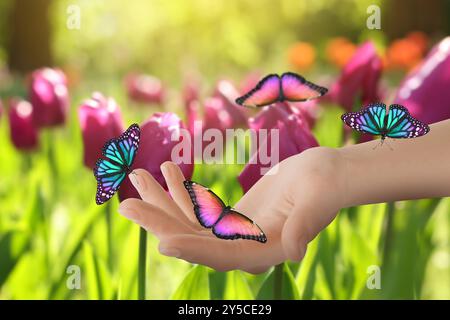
(151,191)
(224,255)
(152,218)
(174,179)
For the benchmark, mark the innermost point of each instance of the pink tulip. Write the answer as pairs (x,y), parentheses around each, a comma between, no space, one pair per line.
(294,137)
(191,104)
(49,97)
(216,115)
(155,148)
(226,91)
(425,91)
(191,92)
(358,83)
(144,88)
(100,120)
(309,110)
(24,133)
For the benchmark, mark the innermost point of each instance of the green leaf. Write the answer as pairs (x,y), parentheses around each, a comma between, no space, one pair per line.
(195,285)
(289,289)
(236,287)
(329,130)
(13,245)
(72,247)
(306,274)
(90,271)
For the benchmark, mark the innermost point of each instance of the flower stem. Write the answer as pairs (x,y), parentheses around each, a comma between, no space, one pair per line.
(142,263)
(108,217)
(278,281)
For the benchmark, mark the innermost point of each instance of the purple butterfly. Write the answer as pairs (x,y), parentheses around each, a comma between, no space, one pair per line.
(226,223)
(289,87)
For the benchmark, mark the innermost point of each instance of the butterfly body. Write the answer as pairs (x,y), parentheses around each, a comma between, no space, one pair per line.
(119,154)
(225,222)
(395,124)
(287,87)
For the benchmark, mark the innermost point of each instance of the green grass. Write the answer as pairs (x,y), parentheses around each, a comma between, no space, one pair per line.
(48,221)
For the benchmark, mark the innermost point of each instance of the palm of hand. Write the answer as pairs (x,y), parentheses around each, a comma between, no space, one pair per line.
(287,203)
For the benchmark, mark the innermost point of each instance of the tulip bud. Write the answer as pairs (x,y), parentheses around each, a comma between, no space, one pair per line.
(143,88)
(226,91)
(294,136)
(425,90)
(358,83)
(24,134)
(155,148)
(100,120)
(49,97)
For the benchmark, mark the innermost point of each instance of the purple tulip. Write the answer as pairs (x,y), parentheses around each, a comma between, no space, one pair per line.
(425,91)
(155,147)
(49,97)
(358,83)
(100,120)
(294,137)
(144,88)
(226,91)
(24,133)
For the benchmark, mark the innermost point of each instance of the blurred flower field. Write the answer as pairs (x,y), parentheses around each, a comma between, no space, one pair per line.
(53,124)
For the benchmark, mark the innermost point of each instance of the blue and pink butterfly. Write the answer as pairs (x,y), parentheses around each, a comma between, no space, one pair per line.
(119,154)
(395,124)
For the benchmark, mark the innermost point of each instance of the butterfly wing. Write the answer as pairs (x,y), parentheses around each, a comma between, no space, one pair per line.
(123,149)
(266,92)
(297,88)
(109,176)
(235,225)
(208,207)
(370,120)
(119,154)
(400,124)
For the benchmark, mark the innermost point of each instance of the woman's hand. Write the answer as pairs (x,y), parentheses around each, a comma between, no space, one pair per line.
(292,203)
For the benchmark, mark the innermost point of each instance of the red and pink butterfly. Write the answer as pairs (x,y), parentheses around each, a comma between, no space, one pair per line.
(225,222)
(273,88)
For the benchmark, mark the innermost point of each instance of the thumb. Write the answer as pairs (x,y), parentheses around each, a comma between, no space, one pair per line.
(295,235)
(302,226)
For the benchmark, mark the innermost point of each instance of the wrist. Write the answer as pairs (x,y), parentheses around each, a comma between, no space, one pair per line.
(322,171)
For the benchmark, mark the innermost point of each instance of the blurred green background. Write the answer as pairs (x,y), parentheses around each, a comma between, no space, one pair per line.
(48,219)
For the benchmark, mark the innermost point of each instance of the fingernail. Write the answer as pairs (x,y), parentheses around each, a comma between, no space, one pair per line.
(171,252)
(164,169)
(130,214)
(137,181)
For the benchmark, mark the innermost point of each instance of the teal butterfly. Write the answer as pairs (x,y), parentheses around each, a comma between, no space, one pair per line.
(119,153)
(397,123)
